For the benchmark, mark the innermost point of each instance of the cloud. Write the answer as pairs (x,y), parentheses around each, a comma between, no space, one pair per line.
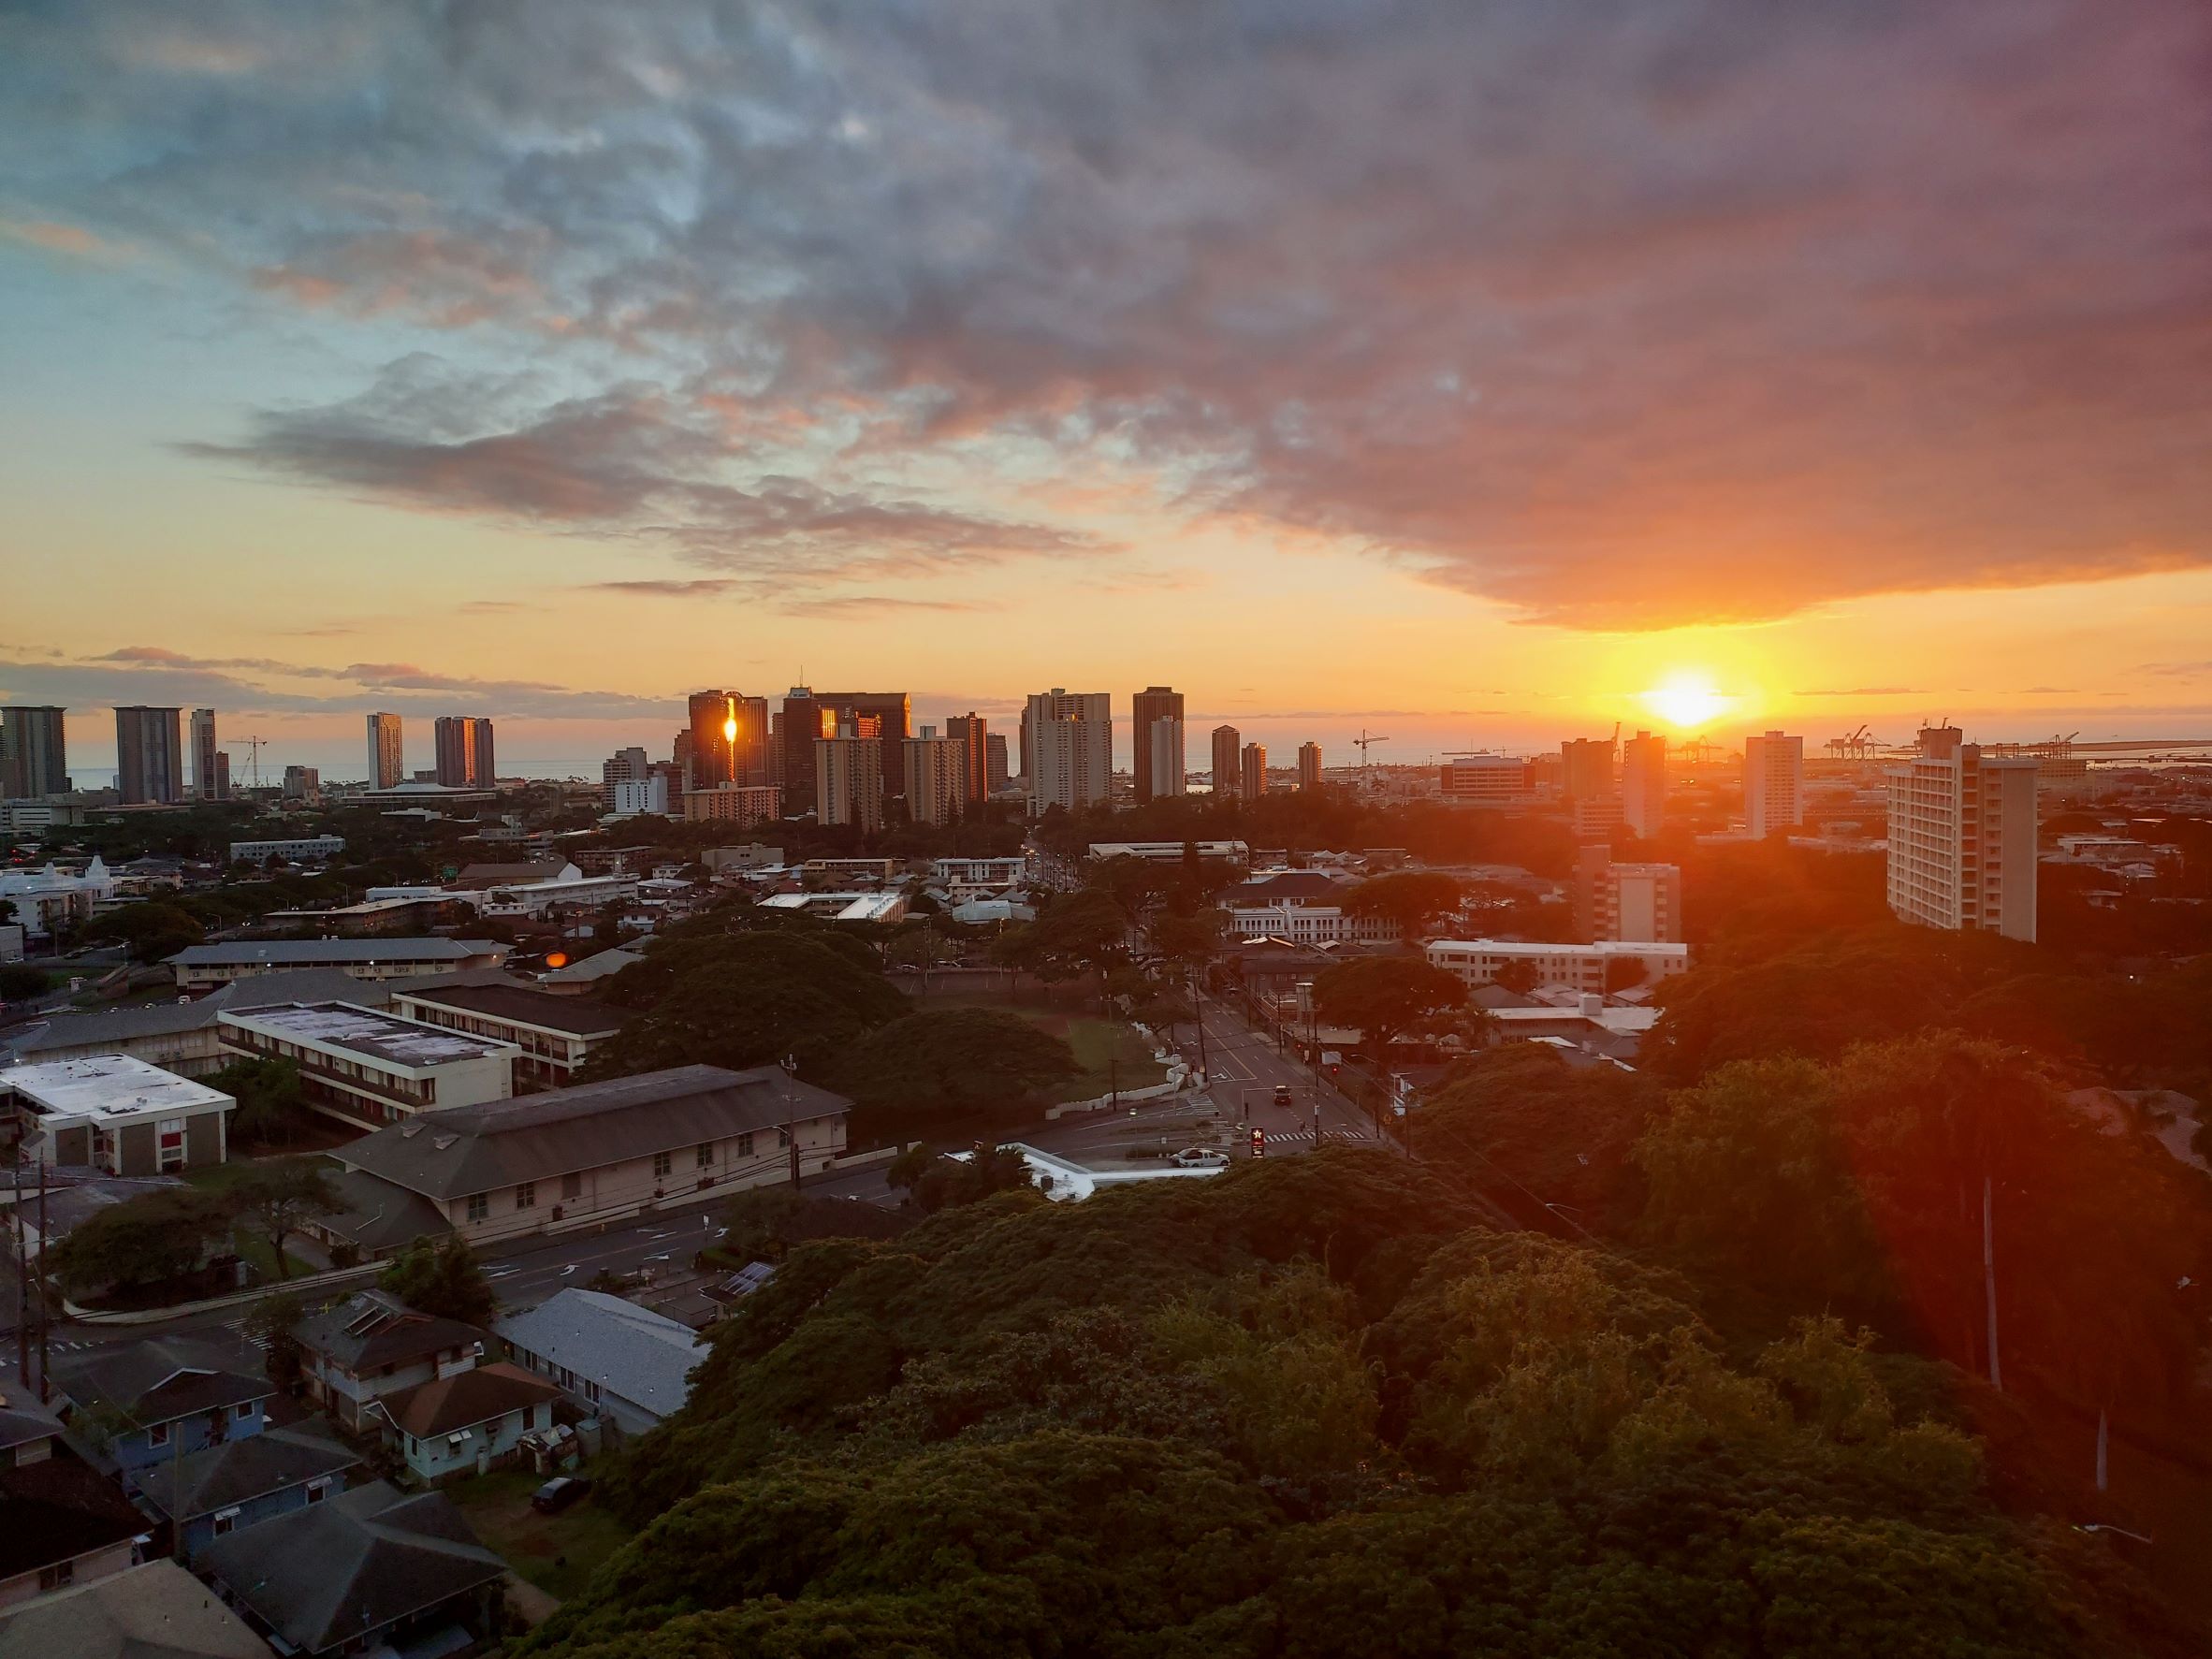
(1623,319)
(71,240)
(1870,691)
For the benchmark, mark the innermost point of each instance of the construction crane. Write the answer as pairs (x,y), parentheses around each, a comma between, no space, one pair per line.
(1854,746)
(254,747)
(1360,743)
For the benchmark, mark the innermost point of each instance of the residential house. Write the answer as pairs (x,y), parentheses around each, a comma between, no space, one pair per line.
(623,1361)
(372,1346)
(154,1610)
(367,1569)
(133,1404)
(467,1420)
(61,1524)
(214,1492)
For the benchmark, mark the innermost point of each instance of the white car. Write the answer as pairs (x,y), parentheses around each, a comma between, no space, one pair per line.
(1200,1157)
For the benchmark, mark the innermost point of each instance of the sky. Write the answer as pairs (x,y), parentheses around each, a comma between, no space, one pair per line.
(1474,376)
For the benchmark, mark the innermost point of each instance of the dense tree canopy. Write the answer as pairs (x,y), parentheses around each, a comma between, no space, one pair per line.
(953,1066)
(442,1276)
(1300,1409)
(147,1240)
(1409,900)
(1382,996)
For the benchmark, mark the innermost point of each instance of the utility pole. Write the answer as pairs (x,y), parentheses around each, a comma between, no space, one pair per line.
(23,1283)
(790,1119)
(1989,1278)
(1317,1120)
(45,1316)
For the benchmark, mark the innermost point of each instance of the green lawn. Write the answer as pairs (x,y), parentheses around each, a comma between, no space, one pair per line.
(558,1553)
(1108,1050)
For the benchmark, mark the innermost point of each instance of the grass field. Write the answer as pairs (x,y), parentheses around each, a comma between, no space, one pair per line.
(558,1553)
(1109,1053)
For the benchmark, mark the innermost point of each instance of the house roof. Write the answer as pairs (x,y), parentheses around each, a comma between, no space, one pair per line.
(466,1149)
(525,1004)
(354,1562)
(309,952)
(217,1476)
(58,1508)
(1286,884)
(502,875)
(172,1018)
(596,967)
(154,1611)
(448,1404)
(371,1329)
(644,1356)
(377,1215)
(22,1419)
(160,1379)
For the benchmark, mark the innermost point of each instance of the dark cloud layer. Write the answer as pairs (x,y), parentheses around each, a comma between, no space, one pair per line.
(1624,315)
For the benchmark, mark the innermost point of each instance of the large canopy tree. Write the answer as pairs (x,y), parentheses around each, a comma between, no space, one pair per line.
(1382,996)
(964,1063)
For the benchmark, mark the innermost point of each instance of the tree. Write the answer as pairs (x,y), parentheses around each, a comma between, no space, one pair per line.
(934,1182)
(1078,933)
(932,1067)
(442,1277)
(1558,1131)
(1410,900)
(20,981)
(147,1240)
(155,929)
(1515,976)
(268,1095)
(1383,996)
(272,1323)
(277,1200)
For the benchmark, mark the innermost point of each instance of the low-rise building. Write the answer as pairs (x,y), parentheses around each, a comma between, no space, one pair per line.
(298,850)
(1638,902)
(583,1155)
(1238,854)
(372,1346)
(739,804)
(754,855)
(542,898)
(1581,967)
(555,1034)
(118,1115)
(842,907)
(992,873)
(880,870)
(153,1610)
(61,1525)
(202,968)
(364,1067)
(371,1570)
(132,1405)
(1304,924)
(624,1361)
(49,898)
(221,1488)
(468,1420)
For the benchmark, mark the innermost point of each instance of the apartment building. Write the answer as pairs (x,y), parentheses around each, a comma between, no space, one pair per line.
(1643,783)
(848,781)
(148,755)
(386,752)
(1229,778)
(1638,902)
(1149,708)
(116,1112)
(937,776)
(555,1034)
(1773,783)
(1068,749)
(1962,827)
(366,1067)
(1580,968)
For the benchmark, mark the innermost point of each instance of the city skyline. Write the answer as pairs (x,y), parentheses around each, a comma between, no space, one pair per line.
(593,367)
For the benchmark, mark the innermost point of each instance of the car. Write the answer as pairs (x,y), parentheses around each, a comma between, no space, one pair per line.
(559,1493)
(1282,1094)
(1200,1157)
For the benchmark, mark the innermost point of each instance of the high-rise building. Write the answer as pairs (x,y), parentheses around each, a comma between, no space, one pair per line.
(33,752)
(209,782)
(994,777)
(386,763)
(936,777)
(973,733)
(1227,779)
(221,775)
(1961,836)
(455,735)
(811,716)
(483,765)
(1254,771)
(1643,783)
(304,783)
(1588,767)
(1147,707)
(728,738)
(1166,768)
(1638,902)
(1309,766)
(1486,778)
(1068,738)
(149,755)
(1773,785)
(625,765)
(848,779)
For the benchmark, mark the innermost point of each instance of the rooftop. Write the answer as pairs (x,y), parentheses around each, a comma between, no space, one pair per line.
(109,1089)
(462,1399)
(371,1329)
(162,1378)
(365,1031)
(644,1356)
(307,953)
(217,1476)
(527,1006)
(157,1610)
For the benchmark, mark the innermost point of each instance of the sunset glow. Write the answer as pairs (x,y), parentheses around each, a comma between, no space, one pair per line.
(1688,703)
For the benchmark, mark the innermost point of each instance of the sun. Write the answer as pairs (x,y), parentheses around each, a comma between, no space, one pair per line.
(1688,701)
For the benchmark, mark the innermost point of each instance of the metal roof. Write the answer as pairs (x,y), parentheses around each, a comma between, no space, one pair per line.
(311,951)
(644,1356)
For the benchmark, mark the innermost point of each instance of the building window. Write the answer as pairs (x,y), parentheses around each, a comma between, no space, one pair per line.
(526,1196)
(158,1434)
(705,1154)
(225,1522)
(242,1410)
(783,1139)
(169,1142)
(58,1577)
(572,1186)
(479,1205)
(660,1165)
(745,1144)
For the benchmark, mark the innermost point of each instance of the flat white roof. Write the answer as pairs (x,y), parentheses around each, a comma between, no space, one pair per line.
(111,1088)
(347,1026)
(1604,946)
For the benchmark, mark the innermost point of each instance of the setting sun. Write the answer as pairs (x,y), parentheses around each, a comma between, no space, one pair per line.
(1687,702)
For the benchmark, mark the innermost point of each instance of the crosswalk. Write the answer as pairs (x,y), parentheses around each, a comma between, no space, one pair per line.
(1304,1137)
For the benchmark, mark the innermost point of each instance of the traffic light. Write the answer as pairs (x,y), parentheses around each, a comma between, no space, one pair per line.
(1258,1143)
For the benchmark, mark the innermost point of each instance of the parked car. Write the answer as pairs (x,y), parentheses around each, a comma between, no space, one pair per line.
(559,1493)
(1200,1157)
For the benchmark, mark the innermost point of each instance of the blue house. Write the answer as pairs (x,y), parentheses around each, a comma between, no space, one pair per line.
(135,1405)
(213,1492)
